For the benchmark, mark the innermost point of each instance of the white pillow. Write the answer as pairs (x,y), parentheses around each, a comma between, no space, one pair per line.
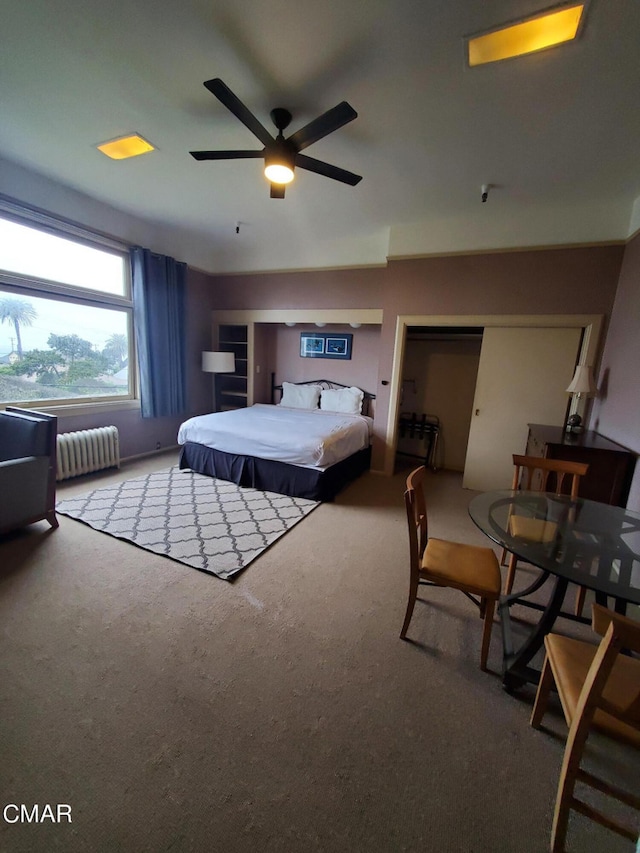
(300,396)
(344,400)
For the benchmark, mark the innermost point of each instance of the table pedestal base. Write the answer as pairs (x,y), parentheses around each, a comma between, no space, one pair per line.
(516,669)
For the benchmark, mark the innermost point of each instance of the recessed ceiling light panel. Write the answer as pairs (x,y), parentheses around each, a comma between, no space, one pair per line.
(547,29)
(125,146)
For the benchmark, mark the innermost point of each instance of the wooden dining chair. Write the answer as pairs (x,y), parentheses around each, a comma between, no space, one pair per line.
(599,688)
(537,474)
(469,568)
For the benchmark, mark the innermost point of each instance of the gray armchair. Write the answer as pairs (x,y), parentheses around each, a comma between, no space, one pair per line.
(27,468)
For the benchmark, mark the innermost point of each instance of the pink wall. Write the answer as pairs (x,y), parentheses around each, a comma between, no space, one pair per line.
(616,409)
(361,370)
(360,288)
(553,281)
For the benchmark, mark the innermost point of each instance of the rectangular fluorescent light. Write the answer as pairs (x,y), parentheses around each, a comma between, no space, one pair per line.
(125,146)
(547,29)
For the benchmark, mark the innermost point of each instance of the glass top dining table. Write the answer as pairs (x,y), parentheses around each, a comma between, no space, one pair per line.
(572,540)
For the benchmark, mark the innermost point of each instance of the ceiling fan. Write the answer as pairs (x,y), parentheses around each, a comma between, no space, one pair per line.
(281,156)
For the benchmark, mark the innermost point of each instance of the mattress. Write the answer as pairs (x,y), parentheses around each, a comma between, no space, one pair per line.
(306,437)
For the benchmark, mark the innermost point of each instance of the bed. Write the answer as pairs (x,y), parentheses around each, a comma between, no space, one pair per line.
(309,445)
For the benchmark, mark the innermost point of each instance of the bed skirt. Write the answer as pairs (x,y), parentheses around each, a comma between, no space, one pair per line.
(270,476)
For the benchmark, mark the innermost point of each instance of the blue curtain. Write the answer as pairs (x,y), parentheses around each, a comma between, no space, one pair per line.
(158,318)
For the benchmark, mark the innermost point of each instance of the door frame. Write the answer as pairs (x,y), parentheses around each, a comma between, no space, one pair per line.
(591,325)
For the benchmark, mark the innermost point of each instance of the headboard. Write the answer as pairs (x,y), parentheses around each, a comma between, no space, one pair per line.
(327,385)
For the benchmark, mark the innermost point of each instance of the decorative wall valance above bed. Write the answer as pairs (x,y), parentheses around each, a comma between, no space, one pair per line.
(303,449)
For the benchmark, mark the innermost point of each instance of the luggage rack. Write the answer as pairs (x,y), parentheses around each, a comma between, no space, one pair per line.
(423,426)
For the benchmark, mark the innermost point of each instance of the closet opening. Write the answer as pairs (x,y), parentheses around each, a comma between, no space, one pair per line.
(525,365)
(436,395)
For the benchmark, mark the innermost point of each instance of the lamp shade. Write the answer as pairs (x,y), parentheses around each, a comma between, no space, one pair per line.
(218,362)
(582,382)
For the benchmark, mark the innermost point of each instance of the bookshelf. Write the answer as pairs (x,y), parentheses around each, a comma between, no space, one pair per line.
(232,389)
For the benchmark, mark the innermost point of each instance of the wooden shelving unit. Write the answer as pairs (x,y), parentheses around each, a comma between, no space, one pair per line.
(232,389)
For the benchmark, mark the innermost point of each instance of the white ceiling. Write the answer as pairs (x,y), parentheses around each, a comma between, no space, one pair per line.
(556,135)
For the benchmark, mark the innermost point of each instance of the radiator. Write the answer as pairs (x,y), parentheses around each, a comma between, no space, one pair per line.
(87,450)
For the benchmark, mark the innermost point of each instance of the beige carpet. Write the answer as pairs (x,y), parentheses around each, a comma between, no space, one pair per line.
(277,713)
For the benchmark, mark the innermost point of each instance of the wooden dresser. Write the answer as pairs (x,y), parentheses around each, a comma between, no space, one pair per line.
(611,465)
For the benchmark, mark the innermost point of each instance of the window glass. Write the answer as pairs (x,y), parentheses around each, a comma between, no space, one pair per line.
(53,349)
(60,344)
(31,252)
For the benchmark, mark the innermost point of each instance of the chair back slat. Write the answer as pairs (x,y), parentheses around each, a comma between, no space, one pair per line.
(415,485)
(409,502)
(548,471)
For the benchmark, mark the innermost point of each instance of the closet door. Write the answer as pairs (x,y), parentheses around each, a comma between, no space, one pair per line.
(522,378)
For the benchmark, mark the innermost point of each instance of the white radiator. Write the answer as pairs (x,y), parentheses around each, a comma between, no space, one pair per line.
(87,450)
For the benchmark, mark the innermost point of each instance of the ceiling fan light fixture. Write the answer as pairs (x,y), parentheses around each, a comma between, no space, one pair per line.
(281,156)
(278,173)
(546,29)
(279,161)
(124,147)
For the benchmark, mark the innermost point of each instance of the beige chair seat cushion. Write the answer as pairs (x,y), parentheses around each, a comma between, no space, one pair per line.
(532,529)
(570,661)
(469,566)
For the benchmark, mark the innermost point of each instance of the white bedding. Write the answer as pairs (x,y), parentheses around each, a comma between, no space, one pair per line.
(307,437)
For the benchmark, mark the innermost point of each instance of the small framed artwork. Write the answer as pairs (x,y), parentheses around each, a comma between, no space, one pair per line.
(325,345)
(311,346)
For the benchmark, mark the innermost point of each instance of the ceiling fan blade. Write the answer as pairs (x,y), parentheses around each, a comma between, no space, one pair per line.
(224,94)
(323,125)
(226,155)
(277,190)
(326,169)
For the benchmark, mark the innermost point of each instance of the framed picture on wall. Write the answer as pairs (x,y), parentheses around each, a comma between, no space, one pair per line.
(325,345)
(311,346)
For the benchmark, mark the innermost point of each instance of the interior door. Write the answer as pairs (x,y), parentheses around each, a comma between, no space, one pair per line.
(522,378)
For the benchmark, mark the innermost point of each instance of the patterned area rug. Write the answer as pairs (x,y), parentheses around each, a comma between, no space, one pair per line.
(211,525)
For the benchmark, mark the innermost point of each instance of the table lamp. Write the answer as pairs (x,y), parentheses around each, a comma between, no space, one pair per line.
(582,385)
(218,362)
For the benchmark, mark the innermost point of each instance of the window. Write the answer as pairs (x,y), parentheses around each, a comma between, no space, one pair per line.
(65,313)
